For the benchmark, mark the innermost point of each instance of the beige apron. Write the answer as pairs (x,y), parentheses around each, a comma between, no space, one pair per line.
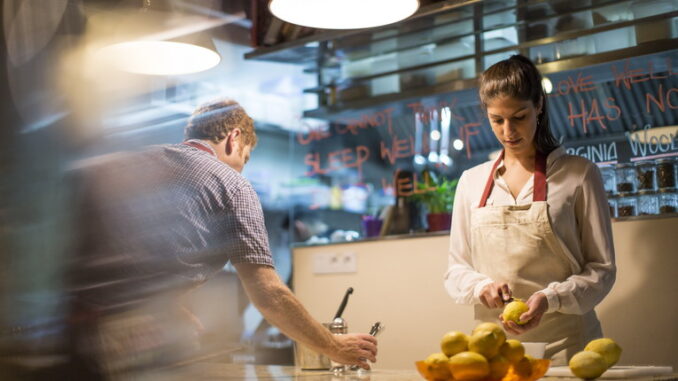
(515,244)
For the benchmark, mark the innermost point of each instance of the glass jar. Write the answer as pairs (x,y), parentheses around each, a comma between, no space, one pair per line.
(338,327)
(648,203)
(666,173)
(627,205)
(612,202)
(668,202)
(626,178)
(645,172)
(609,179)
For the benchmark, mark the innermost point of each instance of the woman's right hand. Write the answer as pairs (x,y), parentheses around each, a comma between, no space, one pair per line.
(495,294)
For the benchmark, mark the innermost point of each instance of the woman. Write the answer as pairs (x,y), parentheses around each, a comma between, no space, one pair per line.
(540,230)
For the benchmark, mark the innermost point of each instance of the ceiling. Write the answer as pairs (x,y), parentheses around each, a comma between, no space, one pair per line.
(52,74)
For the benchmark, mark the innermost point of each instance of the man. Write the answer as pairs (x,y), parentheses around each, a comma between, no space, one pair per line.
(157,223)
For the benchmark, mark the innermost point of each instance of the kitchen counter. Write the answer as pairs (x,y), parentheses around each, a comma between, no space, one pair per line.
(221,371)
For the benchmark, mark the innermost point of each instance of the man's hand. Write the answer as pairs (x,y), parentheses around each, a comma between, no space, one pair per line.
(355,349)
(281,308)
(537,304)
(495,294)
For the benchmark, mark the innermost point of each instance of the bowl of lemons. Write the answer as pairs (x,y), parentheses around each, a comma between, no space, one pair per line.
(484,355)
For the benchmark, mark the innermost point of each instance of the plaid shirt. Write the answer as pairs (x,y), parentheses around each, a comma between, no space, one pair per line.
(168,216)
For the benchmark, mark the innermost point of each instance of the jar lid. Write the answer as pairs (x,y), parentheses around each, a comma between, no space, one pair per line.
(668,160)
(646,192)
(626,194)
(667,190)
(624,165)
(338,324)
(644,163)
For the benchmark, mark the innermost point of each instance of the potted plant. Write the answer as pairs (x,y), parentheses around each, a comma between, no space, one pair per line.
(437,196)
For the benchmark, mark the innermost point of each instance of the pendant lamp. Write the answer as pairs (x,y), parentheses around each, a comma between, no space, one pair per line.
(157,57)
(343,14)
(139,41)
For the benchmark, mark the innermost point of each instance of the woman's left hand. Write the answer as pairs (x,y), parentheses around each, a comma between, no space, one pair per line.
(538,304)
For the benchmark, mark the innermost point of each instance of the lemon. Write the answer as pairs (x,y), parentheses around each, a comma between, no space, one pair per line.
(499,366)
(436,358)
(608,348)
(513,310)
(588,364)
(485,342)
(513,350)
(437,366)
(469,366)
(523,367)
(454,342)
(487,326)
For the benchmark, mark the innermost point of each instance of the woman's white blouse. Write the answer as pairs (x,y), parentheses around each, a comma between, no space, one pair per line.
(580,218)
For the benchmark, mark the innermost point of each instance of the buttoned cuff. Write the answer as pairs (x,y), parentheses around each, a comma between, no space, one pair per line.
(552,299)
(479,288)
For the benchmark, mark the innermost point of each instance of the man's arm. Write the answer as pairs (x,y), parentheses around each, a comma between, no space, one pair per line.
(281,308)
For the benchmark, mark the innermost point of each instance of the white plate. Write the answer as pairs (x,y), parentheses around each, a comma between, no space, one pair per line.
(615,371)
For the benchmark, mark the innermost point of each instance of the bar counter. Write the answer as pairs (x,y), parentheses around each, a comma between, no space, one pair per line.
(221,371)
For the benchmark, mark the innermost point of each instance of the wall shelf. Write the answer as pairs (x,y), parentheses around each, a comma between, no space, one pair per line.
(444,46)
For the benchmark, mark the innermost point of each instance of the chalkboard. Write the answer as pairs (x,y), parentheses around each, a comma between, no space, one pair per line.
(614,112)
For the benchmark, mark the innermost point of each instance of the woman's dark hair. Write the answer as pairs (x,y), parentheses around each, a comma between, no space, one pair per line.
(518,77)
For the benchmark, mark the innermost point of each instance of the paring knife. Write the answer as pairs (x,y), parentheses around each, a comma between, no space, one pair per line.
(376,328)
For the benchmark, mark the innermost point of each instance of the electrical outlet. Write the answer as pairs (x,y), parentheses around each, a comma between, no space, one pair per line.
(332,263)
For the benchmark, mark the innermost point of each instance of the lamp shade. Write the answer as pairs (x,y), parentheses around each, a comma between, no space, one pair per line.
(343,14)
(157,40)
(159,57)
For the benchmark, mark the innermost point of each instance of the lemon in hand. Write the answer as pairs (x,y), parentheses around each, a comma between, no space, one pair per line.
(513,310)
(587,364)
(454,342)
(469,366)
(608,348)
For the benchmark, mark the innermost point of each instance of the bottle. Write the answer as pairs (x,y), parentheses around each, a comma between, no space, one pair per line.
(609,180)
(666,173)
(647,181)
(626,178)
(668,201)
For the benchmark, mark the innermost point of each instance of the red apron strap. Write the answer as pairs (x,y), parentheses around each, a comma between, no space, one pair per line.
(199,146)
(490,181)
(539,189)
